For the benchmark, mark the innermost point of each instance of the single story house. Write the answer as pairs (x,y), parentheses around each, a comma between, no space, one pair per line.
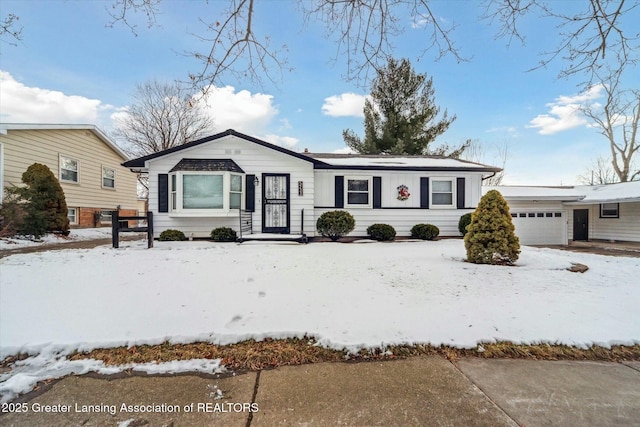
(557,215)
(83,158)
(217,180)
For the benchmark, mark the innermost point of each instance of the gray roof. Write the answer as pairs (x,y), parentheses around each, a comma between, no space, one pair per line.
(208,165)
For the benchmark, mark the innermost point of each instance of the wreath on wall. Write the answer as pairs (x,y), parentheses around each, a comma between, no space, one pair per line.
(403,192)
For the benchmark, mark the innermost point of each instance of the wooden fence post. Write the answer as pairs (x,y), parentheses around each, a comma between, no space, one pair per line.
(115,232)
(149,229)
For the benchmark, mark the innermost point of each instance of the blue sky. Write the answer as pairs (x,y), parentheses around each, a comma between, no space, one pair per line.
(71,68)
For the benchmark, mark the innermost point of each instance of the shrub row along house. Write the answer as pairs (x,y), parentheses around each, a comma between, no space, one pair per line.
(85,161)
(205,184)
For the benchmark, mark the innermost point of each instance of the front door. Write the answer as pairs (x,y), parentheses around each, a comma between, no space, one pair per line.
(275,203)
(581,224)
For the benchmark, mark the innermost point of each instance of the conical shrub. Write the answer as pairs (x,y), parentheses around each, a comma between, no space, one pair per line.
(490,237)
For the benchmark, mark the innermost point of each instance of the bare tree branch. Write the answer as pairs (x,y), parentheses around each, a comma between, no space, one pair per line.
(121,11)
(8,27)
(603,35)
(600,172)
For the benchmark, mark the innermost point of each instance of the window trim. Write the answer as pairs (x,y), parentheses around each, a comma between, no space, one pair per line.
(75,216)
(602,209)
(103,178)
(176,194)
(369,191)
(453,182)
(60,168)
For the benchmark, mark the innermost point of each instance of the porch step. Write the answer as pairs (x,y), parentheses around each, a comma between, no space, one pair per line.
(271,237)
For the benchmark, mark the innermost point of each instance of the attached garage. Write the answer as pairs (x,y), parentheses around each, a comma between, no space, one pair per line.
(538,227)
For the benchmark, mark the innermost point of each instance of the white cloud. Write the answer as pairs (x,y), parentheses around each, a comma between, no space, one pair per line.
(344,105)
(564,112)
(344,150)
(24,104)
(246,112)
(283,141)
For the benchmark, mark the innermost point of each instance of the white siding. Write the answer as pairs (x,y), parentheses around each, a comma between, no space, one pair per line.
(253,159)
(402,215)
(624,228)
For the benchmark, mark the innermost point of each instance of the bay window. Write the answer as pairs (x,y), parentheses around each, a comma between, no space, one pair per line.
(205,193)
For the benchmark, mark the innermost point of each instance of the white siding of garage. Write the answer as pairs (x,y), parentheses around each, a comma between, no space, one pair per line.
(625,228)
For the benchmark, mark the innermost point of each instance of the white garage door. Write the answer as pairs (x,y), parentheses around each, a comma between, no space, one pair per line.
(540,227)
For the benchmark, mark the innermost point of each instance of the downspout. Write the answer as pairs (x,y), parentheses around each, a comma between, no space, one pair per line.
(490,176)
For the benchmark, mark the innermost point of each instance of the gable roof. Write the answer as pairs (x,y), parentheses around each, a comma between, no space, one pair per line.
(4,127)
(140,161)
(337,161)
(207,165)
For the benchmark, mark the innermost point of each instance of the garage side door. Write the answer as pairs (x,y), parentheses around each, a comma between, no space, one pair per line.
(540,227)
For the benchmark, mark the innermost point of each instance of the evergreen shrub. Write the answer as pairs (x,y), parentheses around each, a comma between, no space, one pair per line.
(425,231)
(464,221)
(172,235)
(490,237)
(381,232)
(335,224)
(224,234)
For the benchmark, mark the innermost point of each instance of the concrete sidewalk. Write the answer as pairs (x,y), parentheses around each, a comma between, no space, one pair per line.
(419,391)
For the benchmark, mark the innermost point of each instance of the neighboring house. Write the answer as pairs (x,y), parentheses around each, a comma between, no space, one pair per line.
(557,215)
(85,161)
(205,184)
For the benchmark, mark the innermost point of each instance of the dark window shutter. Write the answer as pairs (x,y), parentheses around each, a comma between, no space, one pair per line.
(339,192)
(460,193)
(163,192)
(424,192)
(377,192)
(250,193)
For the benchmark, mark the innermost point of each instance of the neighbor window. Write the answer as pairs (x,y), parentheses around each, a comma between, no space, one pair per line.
(205,192)
(105,216)
(609,210)
(72,214)
(68,169)
(358,191)
(108,178)
(442,192)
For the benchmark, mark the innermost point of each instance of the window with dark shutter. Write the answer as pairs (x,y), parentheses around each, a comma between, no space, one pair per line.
(163,192)
(424,192)
(339,191)
(460,193)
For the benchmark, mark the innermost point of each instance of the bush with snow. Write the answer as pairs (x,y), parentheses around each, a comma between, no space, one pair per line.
(490,237)
(172,235)
(224,234)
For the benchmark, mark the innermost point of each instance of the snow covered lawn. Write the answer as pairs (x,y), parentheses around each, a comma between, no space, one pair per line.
(345,295)
(76,235)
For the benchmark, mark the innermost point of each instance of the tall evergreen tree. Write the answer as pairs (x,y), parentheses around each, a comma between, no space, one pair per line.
(401,115)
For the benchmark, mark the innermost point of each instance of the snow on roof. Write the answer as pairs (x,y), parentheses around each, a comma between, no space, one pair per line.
(580,194)
(391,161)
(517,192)
(620,192)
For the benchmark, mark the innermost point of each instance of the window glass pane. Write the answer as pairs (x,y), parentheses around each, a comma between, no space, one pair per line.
(235,200)
(358,185)
(106,182)
(358,198)
(68,175)
(442,199)
(236,183)
(202,192)
(108,173)
(69,164)
(441,186)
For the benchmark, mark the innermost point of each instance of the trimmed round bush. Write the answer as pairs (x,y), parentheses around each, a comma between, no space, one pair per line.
(491,237)
(335,224)
(425,231)
(464,221)
(381,232)
(224,234)
(172,235)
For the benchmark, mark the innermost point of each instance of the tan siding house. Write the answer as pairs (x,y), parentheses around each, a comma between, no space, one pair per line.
(85,161)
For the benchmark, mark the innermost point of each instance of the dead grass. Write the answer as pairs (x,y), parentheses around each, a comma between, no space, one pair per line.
(256,355)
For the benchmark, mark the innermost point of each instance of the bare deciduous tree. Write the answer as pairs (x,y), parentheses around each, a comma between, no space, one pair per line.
(600,172)
(602,33)
(477,152)
(618,121)
(162,116)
